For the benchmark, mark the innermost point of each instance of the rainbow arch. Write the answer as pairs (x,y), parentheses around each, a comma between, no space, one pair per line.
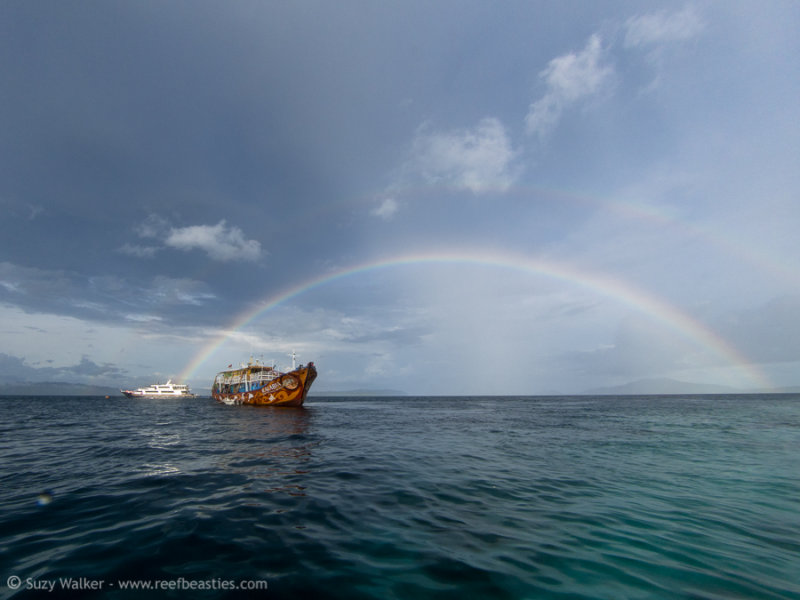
(654,307)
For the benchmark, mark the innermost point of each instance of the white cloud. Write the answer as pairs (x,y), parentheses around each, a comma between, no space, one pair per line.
(138,251)
(170,290)
(219,241)
(479,159)
(569,78)
(386,210)
(142,318)
(153,226)
(35,211)
(660,27)
(15,208)
(10,286)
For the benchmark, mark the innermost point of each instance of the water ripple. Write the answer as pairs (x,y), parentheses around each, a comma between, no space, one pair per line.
(444,498)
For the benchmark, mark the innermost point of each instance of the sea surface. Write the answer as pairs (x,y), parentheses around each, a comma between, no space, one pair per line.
(470,497)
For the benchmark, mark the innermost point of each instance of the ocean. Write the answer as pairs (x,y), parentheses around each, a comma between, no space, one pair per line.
(694,497)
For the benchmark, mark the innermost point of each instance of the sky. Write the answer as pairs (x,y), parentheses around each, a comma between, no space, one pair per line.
(452,197)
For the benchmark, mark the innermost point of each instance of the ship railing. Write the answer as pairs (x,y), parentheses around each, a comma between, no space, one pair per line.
(252,378)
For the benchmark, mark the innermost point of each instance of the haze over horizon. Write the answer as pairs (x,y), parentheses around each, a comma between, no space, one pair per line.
(439,198)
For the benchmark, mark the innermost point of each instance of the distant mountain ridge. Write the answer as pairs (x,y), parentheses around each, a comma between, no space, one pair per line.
(56,388)
(673,386)
(337,394)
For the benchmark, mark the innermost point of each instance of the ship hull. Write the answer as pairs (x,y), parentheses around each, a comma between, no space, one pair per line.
(288,389)
(130,394)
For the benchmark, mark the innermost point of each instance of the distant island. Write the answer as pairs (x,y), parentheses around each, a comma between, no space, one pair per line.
(340,393)
(56,388)
(672,386)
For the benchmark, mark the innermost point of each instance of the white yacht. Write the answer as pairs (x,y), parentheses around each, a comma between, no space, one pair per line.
(161,390)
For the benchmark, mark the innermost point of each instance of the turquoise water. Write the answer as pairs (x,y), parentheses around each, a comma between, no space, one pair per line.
(558,497)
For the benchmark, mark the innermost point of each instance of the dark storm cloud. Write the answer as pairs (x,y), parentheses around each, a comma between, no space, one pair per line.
(233,124)
(107,298)
(14,369)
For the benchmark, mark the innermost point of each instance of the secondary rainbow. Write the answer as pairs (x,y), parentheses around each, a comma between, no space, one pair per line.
(777,266)
(652,306)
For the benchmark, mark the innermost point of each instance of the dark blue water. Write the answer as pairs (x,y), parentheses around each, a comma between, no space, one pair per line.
(570,497)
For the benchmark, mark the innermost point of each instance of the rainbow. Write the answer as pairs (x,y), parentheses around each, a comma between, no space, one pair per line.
(637,299)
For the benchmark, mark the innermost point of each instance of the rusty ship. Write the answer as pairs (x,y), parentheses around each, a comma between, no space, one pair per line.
(259,384)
